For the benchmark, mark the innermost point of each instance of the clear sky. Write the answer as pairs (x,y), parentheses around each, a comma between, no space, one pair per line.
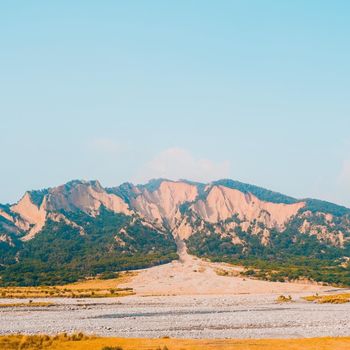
(257,91)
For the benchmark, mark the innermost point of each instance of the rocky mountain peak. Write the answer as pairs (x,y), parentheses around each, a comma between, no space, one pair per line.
(183,207)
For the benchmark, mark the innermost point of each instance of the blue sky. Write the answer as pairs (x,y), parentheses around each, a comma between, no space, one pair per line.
(257,91)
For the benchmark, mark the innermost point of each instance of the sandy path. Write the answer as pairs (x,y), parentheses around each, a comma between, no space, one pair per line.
(193,276)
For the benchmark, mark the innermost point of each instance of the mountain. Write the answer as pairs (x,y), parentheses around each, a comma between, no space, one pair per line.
(80,229)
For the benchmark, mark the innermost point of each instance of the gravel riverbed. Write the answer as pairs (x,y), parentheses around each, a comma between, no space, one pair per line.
(236,316)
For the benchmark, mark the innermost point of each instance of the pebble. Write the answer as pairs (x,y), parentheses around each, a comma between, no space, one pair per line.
(236,316)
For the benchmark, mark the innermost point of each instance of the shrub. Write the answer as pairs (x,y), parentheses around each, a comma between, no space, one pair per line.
(284,299)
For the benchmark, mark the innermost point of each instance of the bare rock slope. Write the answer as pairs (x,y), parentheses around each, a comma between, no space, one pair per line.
(222,220)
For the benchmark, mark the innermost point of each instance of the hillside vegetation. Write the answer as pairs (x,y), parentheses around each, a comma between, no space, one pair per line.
(59,254)
(290,255)
(80,230)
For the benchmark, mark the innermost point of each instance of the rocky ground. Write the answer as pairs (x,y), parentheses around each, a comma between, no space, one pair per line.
(239,316)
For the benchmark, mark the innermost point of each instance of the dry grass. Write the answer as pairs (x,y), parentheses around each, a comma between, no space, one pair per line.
(30,304)
(284,299)
(82,342)
(60,292)
(93,288)
(123,277)
(330,299)
(36,342)
(228,273)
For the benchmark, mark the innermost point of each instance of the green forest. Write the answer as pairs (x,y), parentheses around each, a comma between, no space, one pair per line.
(290,255)
(60,254)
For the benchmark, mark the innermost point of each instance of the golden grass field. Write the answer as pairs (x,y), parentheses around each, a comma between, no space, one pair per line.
(330,299)
(81,342)
(92,288)
(31,304)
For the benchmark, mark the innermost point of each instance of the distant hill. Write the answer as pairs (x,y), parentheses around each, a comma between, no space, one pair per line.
(82,229)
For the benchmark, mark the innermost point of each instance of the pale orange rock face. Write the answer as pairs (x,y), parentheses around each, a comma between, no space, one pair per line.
(160,208)
(6,216)
(165,201)
(32,214)
(223,202)
(86,198)
(82,196)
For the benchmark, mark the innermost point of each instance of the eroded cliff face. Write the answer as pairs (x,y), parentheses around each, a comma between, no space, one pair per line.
(215,205)
(162,205)
(85,196)
(325,227)
(223,203)
(186,209)
(30,217)
(181,207)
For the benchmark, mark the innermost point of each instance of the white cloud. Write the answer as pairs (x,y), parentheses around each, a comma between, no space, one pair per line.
(178,163)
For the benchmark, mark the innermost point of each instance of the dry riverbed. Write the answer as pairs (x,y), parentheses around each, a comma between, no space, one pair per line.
(235,316)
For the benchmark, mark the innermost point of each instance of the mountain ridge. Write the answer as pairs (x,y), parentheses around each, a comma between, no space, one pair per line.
(224,219)
(152,185)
